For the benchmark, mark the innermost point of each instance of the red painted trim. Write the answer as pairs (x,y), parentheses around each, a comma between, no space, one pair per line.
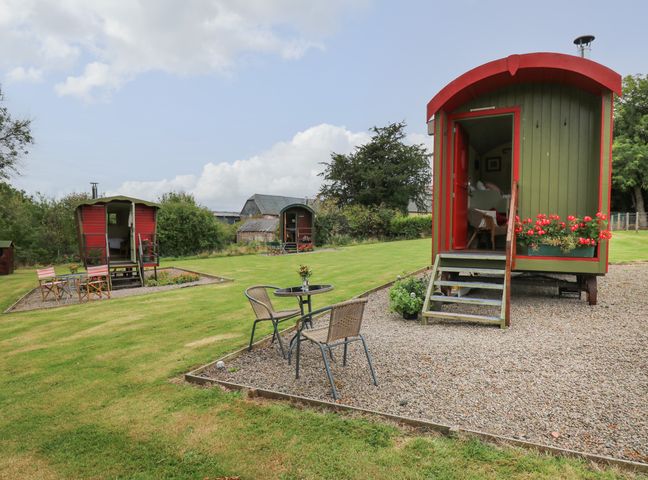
(448,184)
(602,157)
(449,157)
(567,259)
(609,206)
(530,67)
(437,219)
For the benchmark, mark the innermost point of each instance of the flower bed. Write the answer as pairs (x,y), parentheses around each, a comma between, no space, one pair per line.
(550,235)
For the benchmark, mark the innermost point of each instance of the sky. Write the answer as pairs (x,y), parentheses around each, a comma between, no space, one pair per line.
(227,98)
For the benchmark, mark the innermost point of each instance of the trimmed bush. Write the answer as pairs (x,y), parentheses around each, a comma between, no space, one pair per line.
(416,226)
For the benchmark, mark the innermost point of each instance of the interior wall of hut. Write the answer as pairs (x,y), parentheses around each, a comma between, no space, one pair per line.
(120,222)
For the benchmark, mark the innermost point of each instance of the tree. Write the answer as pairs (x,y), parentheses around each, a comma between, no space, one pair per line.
(384,171)
(185,228)
(630,154)
(15,136)
(42,228)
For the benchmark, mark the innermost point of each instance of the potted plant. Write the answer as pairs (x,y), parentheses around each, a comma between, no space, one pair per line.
(551,236)
(305,273)
(407,296)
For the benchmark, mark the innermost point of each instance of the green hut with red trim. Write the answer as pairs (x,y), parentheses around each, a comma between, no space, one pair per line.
(529,136)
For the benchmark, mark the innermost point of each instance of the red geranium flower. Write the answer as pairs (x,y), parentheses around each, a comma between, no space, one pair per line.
(587,218)
(571,218)
(529,232)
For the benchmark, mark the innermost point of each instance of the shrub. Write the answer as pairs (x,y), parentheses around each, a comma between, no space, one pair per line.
(185,228)
(408,295)
(165,278)
(415,226)
(338,225)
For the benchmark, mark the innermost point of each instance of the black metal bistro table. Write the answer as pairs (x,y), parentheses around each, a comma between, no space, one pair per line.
(304,298)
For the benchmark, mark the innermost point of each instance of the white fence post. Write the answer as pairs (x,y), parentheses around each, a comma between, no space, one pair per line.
(637,222)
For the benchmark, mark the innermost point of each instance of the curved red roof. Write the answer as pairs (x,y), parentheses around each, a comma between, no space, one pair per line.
(530,67)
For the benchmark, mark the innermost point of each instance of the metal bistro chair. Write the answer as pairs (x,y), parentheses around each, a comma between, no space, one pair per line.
(343,328)
(264,311)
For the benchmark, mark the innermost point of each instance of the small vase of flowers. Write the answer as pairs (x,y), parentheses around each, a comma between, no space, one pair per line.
(305,273)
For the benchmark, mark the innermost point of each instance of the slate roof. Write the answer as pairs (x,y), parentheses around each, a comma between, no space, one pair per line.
(260,225)
(5,243)
(218,213)
(273,204)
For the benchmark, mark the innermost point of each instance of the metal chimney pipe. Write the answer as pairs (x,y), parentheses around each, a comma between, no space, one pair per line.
(94,190)
(584,45)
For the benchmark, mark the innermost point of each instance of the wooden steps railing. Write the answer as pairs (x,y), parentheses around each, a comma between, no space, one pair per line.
(482,271)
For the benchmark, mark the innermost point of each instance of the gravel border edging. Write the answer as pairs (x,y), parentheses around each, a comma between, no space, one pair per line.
(11,307)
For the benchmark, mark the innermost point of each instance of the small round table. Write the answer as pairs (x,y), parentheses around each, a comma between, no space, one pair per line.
(72,280)
(303,296)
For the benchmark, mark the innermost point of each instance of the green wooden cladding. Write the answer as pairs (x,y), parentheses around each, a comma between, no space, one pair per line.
(559,146)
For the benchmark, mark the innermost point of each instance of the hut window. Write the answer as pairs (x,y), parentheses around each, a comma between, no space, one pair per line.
(112,219)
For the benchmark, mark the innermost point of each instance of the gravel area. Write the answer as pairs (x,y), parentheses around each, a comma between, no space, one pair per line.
(565,374)
(33,300)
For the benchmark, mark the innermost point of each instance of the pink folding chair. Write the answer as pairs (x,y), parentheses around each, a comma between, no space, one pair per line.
(49,284)
(97,284)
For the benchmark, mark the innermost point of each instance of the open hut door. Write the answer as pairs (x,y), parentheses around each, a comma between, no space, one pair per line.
(460,190)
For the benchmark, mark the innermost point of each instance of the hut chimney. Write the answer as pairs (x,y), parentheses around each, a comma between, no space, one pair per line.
(94,190)
(584,45)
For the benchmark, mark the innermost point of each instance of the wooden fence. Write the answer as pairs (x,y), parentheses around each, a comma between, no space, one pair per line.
(628,221)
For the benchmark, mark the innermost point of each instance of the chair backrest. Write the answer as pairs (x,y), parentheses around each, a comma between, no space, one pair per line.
(99,271)
(346,319)
(46,273)
(260,301)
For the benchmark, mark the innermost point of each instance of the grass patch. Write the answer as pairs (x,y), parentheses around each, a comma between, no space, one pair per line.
(85,390)
(626,247)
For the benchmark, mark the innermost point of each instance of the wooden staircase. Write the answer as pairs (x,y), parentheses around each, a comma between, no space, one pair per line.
(125,275)
(290,247)
(482,274)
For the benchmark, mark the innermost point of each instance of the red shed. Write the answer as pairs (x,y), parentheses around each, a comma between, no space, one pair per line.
(6,257)
(118,231)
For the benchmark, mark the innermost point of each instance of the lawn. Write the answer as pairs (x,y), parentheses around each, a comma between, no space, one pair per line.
(94,391)
(629,247)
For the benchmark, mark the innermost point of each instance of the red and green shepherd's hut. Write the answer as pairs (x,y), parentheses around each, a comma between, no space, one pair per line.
(523,135)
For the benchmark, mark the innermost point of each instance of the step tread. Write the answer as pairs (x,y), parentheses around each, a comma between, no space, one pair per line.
(485,271)
(463,316)
(474,256)
(469,300)
(459,283)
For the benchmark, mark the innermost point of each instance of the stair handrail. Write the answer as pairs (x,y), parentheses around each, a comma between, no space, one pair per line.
(140,258)
(510,252)
(107,252)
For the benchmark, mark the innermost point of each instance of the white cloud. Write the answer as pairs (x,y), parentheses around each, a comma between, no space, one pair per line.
(287,168)
(99,45)
(21,74)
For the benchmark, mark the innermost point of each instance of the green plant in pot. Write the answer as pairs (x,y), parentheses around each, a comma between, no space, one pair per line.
(407,296)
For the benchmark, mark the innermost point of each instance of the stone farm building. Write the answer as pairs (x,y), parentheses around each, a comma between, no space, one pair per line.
(275,218)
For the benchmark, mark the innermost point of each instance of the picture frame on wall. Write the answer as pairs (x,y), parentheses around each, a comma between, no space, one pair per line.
(493,164)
